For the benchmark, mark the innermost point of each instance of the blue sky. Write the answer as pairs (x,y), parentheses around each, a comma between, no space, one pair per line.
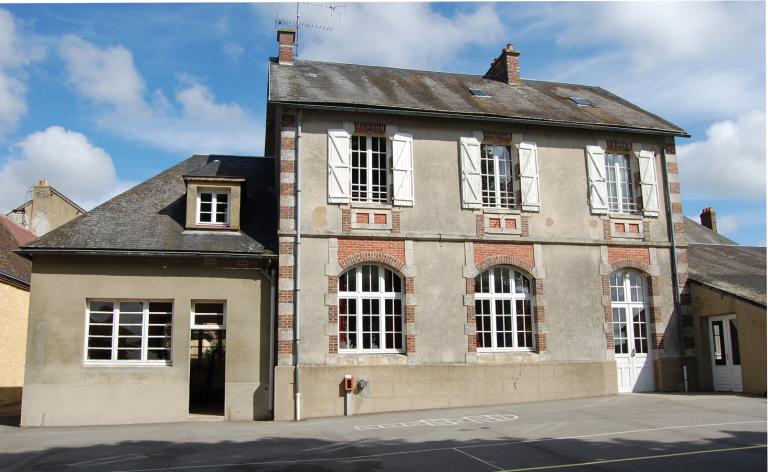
(99,97)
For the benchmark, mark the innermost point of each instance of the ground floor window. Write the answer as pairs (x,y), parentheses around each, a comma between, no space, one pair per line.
(370,310)
(121,331)
(503,310)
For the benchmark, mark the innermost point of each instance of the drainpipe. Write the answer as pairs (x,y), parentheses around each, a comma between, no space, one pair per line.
(272,276)
(676,290)
(297,271)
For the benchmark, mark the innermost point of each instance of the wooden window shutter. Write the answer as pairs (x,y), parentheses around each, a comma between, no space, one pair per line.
(598,187)
(471,181)
(529,176)
(647,163)
(402,169)
(339,166)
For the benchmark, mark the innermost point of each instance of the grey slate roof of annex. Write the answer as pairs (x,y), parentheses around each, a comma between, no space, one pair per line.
(151,216)
(385,88)
(720,263)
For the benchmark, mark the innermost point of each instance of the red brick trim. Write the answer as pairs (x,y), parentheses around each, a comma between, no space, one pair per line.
(487,255)
(621,253)
(358,251)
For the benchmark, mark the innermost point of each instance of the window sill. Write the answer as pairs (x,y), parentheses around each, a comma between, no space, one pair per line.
(112,364)
(626,216)
(502,211)
(372,205)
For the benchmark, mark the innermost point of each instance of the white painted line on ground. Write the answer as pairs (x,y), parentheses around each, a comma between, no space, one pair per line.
(639,458)
(421,451)
(478,419)
(477,459)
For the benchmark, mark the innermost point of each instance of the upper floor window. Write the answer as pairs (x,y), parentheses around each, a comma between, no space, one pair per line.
(370,310)
(497,170)
(129,332)
(370,172)
(504,310)
(621,184)
(213,207)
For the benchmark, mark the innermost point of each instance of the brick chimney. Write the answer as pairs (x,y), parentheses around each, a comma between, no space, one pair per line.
(709,218)
(286,39)
(506,67)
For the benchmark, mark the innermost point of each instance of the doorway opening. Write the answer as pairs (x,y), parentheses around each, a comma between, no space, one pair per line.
(726,357)
(208,347)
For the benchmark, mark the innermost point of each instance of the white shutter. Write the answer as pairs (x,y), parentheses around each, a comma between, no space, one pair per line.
(471,182)
(647,164)
(402,169)
(339,157)
(598,187)
(529,176)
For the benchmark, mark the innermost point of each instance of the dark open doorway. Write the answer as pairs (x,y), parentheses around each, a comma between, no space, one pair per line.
(206,371)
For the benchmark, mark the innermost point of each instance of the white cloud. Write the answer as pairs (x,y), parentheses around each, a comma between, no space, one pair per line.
(81,171)
(729,163)
(393,34)
(684,60)
(233,51)
(194,122)
(105,75)
(14,55)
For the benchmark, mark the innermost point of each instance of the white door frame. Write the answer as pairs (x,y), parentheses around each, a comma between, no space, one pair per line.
(726,376)
(634,369)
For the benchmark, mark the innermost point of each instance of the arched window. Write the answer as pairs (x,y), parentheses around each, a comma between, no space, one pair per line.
(629,310)
(370,310)
(504,310)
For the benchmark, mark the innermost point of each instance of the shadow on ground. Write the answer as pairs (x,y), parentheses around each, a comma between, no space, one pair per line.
(729,452)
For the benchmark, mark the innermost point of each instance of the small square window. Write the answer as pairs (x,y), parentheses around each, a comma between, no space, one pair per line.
(581,101)
(478,92)
(213,207)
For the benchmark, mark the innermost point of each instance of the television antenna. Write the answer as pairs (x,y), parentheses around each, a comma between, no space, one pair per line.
(297,24)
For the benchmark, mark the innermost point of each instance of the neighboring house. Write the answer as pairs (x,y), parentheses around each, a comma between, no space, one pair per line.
(14,305)
(443,239)
(457,239)
(46,210)
(157,303)
(727,290)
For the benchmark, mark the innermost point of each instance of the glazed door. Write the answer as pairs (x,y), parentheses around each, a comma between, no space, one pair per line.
(632,346)
(726,358)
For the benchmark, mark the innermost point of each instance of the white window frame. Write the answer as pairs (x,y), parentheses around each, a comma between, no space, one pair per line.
(193,312)
(497,197)
(215,192)
(358,295)
(624,208)
(369,170)
(642,304)
(114,361)
(512,297)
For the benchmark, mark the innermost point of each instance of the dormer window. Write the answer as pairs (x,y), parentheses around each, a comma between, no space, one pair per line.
(212,207)
(213,203)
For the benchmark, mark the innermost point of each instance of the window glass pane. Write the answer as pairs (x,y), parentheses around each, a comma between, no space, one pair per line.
(160,318)
(132,307)
(735,353)
(130,318)
(129,354)
(158,354)
(160,307)
(105,342)
(206,197)
(366,275)
(102,306)
(99,354)
(129,342)
(101,318)
(222,198)
(205,207)
(221,217)
(209,308)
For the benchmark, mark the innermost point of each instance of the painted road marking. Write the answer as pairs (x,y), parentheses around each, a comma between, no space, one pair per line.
(477,459)
(639,458)
(420,451)
(478,419)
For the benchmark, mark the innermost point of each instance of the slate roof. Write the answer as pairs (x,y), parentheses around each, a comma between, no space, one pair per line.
(326,84)
(720,263)
(13,266)
(150,217)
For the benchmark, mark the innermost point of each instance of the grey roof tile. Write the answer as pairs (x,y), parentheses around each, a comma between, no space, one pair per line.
(150,216)
(333,84)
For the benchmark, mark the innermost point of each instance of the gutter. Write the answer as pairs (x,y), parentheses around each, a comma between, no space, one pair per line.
(493,118)
(727,293)
(675,278)
(32,251)
(272,277)
(15,281)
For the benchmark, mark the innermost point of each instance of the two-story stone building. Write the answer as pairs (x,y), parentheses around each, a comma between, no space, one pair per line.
(444,239)
(457,239)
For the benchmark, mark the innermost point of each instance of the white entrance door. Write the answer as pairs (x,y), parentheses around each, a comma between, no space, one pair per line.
(631,341)
(726,359)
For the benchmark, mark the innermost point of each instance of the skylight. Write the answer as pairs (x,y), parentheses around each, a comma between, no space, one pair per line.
(580,101)
(478,92)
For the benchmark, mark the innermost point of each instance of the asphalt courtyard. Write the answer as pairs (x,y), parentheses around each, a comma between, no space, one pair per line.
(638,432)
